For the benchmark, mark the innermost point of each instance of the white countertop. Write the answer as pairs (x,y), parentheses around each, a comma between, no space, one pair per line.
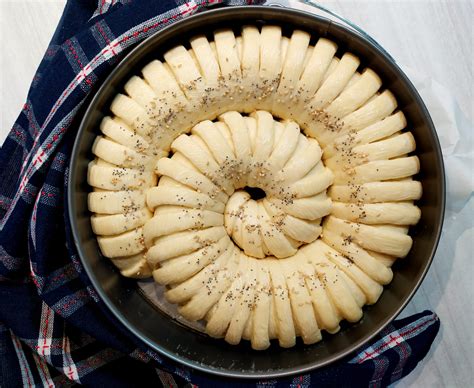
(433,37)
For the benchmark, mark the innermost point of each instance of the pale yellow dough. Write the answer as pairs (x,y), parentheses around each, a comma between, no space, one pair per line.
(317,133)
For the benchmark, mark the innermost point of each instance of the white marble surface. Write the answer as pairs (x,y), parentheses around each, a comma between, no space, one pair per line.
(433,37)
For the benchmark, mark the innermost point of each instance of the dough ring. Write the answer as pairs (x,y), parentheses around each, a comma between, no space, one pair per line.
(264,181)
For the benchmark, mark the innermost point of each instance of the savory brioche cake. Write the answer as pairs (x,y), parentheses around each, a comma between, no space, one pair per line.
(194,135)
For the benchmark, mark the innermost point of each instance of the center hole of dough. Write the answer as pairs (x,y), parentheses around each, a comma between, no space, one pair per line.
(255,192)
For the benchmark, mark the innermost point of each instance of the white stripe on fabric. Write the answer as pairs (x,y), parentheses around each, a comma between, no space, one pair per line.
(32,231)
(404,352)
(45,335)
(102,7)
(69,367)
(43,371)
(185,8)
(26,375)
(166,378)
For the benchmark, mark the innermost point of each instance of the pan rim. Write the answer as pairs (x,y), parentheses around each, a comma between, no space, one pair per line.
(72,210)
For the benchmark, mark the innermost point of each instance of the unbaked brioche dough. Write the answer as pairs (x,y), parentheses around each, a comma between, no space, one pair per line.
(317,133)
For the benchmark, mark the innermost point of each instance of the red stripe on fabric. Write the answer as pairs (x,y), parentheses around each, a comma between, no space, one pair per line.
(380,367)
(104,35)
(43,373)
(33,277)
(23,363)
(48,146)
(101,6)
(46,323)
(19,134)
(61,275)
(29,115)
(35,208)
(52,346)
(45,328)
(404,352)
(76,57)
(394,339)
(76,299)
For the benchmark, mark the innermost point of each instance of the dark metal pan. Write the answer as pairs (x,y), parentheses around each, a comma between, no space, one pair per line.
(196,350)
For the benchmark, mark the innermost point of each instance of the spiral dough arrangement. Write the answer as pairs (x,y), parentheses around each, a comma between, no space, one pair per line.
(178,163)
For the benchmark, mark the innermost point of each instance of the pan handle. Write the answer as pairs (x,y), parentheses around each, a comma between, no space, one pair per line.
(355,27)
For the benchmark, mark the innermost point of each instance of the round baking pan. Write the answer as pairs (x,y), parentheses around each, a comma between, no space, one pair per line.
(197,350)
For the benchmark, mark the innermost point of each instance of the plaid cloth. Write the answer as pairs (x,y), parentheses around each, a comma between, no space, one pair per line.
(54,330)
